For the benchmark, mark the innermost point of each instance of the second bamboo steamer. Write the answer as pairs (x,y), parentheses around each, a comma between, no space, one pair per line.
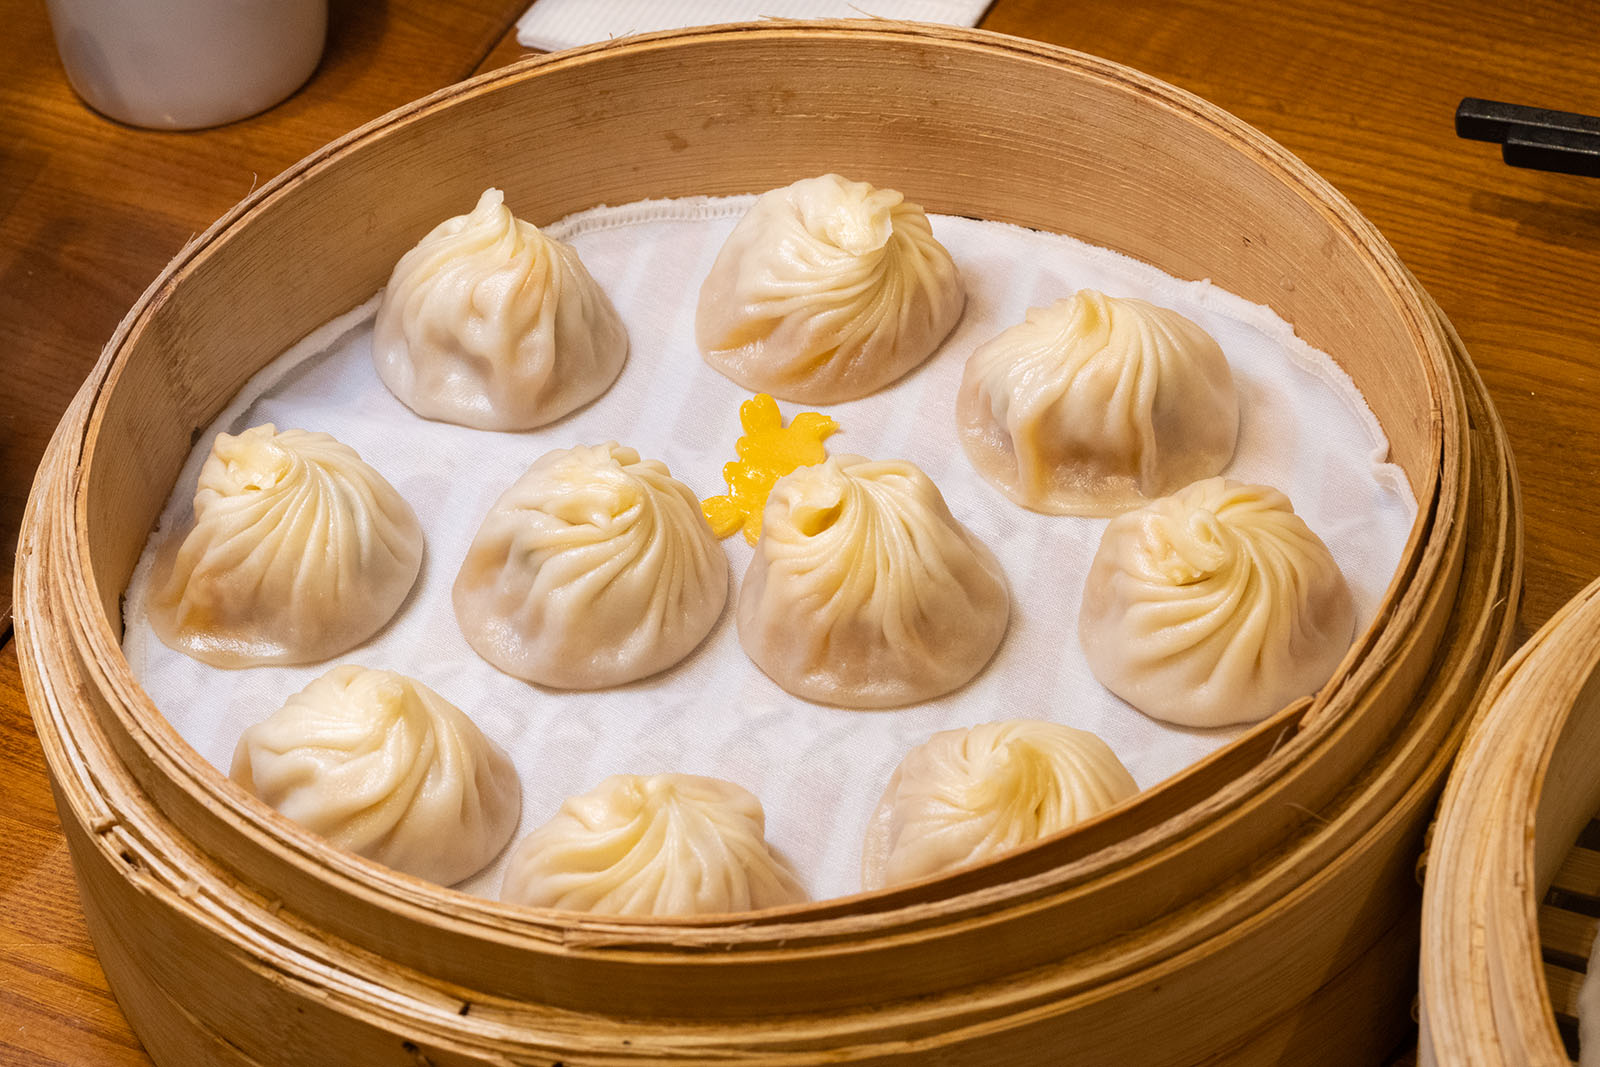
(1514,820)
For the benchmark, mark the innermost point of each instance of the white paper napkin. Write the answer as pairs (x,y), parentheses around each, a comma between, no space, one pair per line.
(818,770)
(551,25)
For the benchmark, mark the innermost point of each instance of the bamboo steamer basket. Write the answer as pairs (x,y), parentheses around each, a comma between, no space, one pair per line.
(1257,906)
(1513,879)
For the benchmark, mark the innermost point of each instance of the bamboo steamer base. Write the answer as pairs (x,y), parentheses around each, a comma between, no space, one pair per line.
(1252,908)
(207,973)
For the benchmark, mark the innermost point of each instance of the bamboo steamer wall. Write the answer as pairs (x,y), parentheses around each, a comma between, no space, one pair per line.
(1254,905)
(1524,789)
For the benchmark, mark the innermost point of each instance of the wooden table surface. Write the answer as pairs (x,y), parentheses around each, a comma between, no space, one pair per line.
(1364,92)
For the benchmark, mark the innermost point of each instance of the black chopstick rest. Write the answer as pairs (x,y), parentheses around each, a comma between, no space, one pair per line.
(1534,137)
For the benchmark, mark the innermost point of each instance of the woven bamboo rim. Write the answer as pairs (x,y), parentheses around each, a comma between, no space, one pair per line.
(1524,789)
(1240,839)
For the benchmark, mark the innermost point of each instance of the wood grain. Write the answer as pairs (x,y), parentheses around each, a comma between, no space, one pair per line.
(54,1005)
(90,210)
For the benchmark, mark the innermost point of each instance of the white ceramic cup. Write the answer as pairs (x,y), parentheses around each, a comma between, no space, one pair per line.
(184,64)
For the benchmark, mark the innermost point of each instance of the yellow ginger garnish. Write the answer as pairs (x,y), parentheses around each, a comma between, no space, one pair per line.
(767,451)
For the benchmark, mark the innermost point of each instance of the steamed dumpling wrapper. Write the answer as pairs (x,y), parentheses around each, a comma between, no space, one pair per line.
(382,765)
(665,844)
(1097,404)
(865,591)
(488,323)
(966,796)
(298,552)
(595,568)
(827,290)
(1215,605)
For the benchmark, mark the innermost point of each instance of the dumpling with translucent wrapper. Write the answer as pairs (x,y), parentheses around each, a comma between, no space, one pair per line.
(966,796)
(1215,605)
(595,568)
(488,323)
(827,290)
(1097,404)
(865,591)
(298,551)
(382,765)
(664,844)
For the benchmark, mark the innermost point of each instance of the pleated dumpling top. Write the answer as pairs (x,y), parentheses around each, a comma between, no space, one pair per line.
(1097,404)
(596,567)
(966,796)
(298,551)
(663,844)
(827,290)
(1215,605)
(865,591)
(490,324)
(382,765)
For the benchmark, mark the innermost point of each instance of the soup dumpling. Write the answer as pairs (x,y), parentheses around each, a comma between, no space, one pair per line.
(1097,404)
(382,765)
(827,290)
(1215,605)
(663,844)
(298,551)
(595,568)
(865,592)
(966,796)
(488,323)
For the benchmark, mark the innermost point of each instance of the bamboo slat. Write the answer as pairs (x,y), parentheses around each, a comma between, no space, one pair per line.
(1580,873)
(1567,926)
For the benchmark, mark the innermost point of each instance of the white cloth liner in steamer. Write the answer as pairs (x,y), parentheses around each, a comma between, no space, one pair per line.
(818,770)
